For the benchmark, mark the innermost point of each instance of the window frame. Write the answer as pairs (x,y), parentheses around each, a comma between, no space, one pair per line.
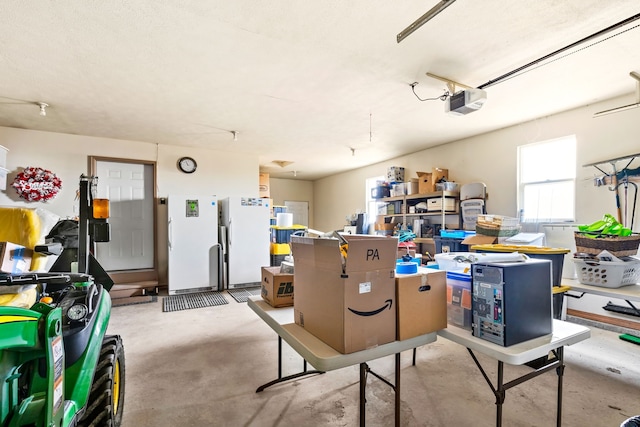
(521,186)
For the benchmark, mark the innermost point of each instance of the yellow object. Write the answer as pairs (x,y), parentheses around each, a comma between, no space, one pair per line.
(22,227)
(46,300)
(13,319)
(23,299)
(561,289)
(280,249)
(343,250)
(523,249)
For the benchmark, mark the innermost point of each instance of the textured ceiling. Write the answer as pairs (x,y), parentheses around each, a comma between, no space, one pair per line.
(305,82)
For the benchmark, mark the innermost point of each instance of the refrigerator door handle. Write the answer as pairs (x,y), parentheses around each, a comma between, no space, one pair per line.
(170,234)
(229,233)
(220,267)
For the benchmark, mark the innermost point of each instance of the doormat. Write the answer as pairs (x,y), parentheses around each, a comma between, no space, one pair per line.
(119,302)
(242,295)
(195,300)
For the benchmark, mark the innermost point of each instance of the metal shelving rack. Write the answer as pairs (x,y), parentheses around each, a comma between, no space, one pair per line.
(417,198)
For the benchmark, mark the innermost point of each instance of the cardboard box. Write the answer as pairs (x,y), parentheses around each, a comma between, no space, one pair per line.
(425,183)
(350,306)
(479,239)
(459,300)
(14,258)
(277,287)
(413,186)
(434,204)
(421,302)
(264,187)
(438,174)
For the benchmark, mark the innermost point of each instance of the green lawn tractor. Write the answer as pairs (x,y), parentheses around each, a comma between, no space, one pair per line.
(57,365)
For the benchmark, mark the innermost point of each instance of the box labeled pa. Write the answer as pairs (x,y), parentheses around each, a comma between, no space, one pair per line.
(422,303)
(277,287)
(347,302)
(14,258)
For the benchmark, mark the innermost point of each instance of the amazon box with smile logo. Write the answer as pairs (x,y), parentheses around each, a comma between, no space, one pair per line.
(350,304)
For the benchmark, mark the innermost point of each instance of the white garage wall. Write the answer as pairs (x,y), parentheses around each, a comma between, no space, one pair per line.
(491,158)
(219,173)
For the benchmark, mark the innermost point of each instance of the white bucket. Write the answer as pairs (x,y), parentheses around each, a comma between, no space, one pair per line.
(284,219)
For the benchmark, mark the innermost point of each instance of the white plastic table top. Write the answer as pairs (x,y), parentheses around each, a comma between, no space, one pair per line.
(564,333)
(320,355)
(630,292)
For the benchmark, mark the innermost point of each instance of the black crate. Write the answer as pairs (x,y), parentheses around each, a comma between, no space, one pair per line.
(452,244)
(276,260)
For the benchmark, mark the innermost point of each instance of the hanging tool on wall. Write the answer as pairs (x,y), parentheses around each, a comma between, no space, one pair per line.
(625,184)
(618,176)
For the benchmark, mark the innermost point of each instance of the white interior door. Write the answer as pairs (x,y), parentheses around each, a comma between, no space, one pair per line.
(129,188)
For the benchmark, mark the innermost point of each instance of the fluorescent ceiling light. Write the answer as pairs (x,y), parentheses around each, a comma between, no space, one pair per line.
(636,104)
(616,110)
(442,5)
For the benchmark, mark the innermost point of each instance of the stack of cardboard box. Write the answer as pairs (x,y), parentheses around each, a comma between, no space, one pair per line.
(356,302)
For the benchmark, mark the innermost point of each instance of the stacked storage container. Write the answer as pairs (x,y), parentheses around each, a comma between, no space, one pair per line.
(3,170)
(280,238)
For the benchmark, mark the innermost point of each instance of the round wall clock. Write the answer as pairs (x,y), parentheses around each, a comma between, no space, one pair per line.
(187,164)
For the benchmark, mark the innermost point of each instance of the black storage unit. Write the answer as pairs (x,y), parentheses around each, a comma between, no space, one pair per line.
(511,301)
(276,260)
(555,255)
(449,244)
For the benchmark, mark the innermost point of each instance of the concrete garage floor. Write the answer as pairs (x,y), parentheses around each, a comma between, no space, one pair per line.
(201,367)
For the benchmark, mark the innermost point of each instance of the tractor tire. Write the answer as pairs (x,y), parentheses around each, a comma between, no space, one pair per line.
(106,399)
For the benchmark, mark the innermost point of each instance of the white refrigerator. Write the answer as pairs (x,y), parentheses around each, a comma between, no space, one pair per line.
(245,237)
(195,255)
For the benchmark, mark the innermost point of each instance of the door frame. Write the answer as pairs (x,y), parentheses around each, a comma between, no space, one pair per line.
(142,275)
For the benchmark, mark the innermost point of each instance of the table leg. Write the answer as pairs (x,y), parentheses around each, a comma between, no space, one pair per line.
(500,394)
(364,370)
(363,384)
(397,390)
(288,377)
(560,372)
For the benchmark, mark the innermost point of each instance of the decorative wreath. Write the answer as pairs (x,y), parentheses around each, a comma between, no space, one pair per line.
(37,184)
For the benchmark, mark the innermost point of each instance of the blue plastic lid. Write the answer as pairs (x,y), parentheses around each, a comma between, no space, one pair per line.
(458,276)
(406,268)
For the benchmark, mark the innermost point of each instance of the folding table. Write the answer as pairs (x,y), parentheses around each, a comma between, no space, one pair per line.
(535,350)
(324,358)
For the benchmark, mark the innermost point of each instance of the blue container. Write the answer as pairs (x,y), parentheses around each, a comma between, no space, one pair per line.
(283,234)
(459,299)
(456,234)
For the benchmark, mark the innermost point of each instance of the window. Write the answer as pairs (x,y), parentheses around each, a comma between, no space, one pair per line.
(373,205)
(546,180)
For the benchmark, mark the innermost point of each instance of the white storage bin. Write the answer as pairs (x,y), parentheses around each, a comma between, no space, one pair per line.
(3,178)
(607,274)
(435,204)
(3,156)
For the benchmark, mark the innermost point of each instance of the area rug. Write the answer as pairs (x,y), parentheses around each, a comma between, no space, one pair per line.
(242,295)
(195,300)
